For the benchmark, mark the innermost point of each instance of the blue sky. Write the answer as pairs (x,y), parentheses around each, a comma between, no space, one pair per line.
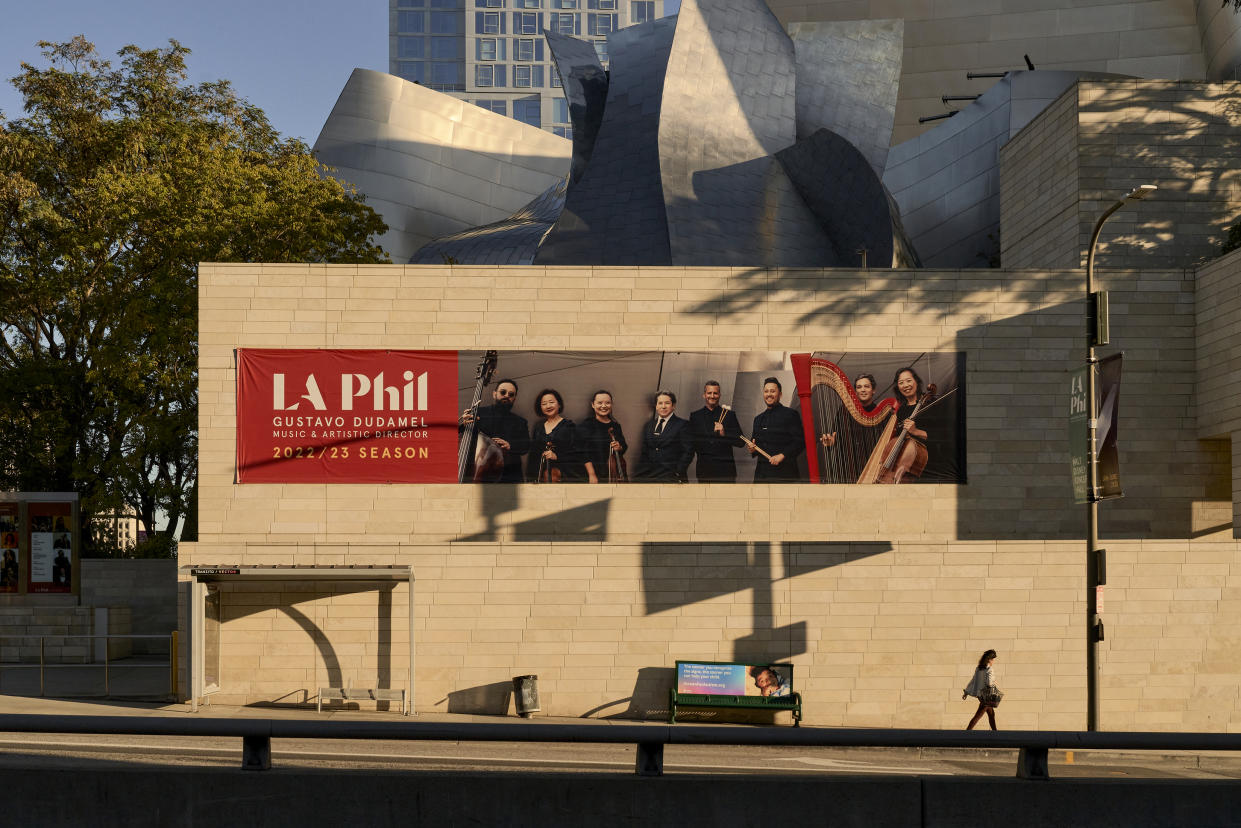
(291,59)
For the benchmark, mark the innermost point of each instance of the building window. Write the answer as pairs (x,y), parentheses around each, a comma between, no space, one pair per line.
(564,4)
(446,77)
(604,5)
(410,47)
(521,76)
(485,48)
(489,4)
(556,78)
(600,25)
(414,22)
(525,23)
(566,23)
(560,110)
(563,132)
(642,11)
(524,50)
(410,4)
(484,75)
(491,23)
(499,107)
(412,70)
(529,4)
(447,48)
(527,112)
(449,4)
(446,22)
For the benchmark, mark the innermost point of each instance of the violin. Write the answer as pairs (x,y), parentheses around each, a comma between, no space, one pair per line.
(905,458)
(486,462)
(549,470)
(618,470)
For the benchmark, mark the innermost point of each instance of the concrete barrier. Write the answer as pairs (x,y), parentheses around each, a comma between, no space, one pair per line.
(113,794)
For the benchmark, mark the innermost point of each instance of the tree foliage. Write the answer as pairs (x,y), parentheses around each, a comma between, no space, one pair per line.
(113,186)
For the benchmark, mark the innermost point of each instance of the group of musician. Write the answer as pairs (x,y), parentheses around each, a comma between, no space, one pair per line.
(595,450)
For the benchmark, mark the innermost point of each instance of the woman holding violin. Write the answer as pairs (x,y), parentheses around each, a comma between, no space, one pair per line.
(554,454)
(603,442)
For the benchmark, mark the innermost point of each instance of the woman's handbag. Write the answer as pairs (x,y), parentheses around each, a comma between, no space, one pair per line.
(991,696)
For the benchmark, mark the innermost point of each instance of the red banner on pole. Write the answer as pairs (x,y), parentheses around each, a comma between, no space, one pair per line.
(346,416)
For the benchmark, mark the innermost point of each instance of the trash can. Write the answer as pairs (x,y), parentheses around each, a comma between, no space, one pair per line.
(526,695)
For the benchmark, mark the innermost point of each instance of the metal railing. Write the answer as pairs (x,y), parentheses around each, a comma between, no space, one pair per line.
(88,660)
(256,736)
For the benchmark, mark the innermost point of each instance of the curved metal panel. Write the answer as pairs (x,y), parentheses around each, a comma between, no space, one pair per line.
(947,180)
(728,104)
(614,214)
(848,74)
(585,83)
(512,241)
(430,164)
(849,200)
(1220,28)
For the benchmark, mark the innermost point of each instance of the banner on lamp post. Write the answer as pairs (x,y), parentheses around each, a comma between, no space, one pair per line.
(1107,408)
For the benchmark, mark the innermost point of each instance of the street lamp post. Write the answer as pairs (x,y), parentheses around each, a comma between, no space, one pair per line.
(1092,466)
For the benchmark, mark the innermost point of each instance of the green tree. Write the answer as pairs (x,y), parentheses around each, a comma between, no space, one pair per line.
(113,186)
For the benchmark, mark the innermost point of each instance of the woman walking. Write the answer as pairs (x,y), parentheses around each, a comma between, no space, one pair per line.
(982,687)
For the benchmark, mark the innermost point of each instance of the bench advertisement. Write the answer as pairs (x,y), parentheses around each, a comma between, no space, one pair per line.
(393,416)
(719,679)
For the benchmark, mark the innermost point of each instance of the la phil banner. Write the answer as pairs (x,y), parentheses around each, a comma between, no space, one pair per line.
(366,416)
(346,416)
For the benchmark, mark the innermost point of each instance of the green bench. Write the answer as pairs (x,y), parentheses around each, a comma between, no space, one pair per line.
(730,684)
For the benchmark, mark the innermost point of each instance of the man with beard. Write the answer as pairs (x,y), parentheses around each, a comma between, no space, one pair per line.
(507,430)
(712,438)
(778,432)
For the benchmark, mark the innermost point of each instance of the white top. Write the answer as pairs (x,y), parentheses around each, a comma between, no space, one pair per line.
(982,679)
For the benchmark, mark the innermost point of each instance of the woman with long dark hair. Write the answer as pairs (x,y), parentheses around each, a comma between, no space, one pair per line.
(982,687)
(600,435)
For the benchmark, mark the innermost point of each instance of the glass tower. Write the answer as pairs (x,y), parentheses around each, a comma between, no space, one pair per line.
(492,52)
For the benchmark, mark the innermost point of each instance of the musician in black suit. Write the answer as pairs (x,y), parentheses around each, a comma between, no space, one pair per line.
(777,431)
(713,434)
(509,431)
(665,444)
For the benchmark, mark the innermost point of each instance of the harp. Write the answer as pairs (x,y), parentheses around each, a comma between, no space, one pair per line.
(829,405)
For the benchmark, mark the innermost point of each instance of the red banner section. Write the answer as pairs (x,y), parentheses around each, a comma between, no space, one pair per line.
(346,416)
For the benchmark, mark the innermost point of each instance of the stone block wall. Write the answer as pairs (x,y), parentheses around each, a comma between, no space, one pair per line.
(146,587)
(945,40)
(1183,137)
(882,597)
(1218,375)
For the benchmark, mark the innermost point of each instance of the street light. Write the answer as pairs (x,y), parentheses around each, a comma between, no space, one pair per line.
(1096,323)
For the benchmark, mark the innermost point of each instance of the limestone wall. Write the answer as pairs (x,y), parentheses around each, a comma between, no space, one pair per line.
(948,38)
(1064,170)
(882,597)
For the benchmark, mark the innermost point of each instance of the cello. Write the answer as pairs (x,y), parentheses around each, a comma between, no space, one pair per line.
(485,463)
(904,457)
(618,470)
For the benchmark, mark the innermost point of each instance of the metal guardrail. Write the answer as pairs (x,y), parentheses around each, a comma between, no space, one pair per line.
(256,736)
(106,665)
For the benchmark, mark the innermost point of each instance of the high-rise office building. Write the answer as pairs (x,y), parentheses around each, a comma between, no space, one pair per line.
(492,52)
